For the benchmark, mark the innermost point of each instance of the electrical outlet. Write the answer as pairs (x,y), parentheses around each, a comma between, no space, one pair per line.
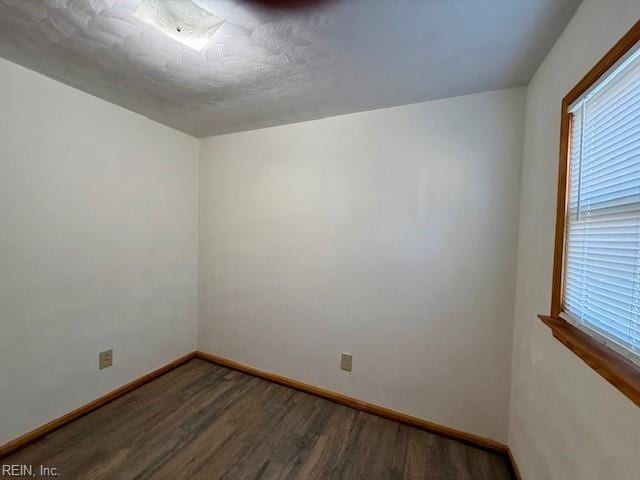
(105,359)
(345,361)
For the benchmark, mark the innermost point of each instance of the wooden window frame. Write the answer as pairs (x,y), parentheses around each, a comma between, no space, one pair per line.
(617,369)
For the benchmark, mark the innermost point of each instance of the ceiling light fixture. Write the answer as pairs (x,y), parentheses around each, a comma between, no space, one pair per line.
(182,20)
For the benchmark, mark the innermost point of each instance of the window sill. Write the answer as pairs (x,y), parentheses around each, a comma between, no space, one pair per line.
(621,372)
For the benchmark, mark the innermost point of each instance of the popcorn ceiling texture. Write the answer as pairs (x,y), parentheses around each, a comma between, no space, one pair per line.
(266,67)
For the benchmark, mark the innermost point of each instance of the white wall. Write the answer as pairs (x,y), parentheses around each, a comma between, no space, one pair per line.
(566,421)
(389,234)
(98,247)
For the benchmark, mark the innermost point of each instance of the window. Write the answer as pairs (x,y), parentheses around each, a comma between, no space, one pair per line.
(602,259)
(595,307)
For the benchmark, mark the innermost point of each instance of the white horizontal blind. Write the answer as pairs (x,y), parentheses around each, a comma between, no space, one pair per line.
(602,269)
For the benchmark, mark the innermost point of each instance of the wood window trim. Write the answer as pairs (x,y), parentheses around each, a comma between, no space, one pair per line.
(618,370)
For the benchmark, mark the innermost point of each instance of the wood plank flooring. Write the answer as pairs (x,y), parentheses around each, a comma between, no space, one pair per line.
(203,421)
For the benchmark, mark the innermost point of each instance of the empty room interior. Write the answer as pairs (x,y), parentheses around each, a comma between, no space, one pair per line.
(320,239)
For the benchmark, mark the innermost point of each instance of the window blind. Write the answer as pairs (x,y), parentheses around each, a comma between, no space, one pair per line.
(602,258)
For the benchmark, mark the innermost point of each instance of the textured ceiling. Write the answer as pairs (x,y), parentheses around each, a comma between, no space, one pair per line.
(267,67)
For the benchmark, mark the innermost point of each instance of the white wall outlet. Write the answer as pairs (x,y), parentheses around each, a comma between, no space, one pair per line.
(345,361)
(105,359)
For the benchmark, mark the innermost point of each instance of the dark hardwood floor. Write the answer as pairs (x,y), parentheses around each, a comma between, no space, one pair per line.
(203,421)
